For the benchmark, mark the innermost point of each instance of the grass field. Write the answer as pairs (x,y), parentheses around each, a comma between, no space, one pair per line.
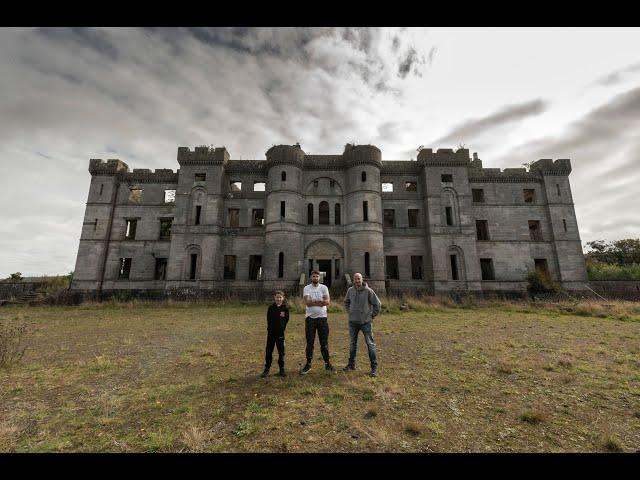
(185,377)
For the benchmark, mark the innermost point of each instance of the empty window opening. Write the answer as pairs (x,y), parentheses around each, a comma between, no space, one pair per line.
(234,217)
(482,230)
(338,219)
(235,186)
(315,184)
(161,269)
(310,267)
(449,215)
(337,263)
(229,267)
(364,176)
(201,177)
(130,231)
(564,224)
(135,195)
(541,266)
(169,196)
(446,178)
(558,189)
(454,266)
(486,267)
(392,267)
(255,267)
(389,218)
(534,230)
(101,188)
(367,269)
(310,214)
(387,187)
(416,267)
(411,186)
(125,268)
(529,195)
(323,213)
(413,213)
(258,217)
(95,225)
(332,183)
(365,211)
(280,265)
(259,186)
(282,209)
(478,195)
(193,266)
(283,176)
(165,228)
(198,213)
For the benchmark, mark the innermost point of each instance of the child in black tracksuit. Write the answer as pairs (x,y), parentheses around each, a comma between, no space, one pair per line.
(277,319)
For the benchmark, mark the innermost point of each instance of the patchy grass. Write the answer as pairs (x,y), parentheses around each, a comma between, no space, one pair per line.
(179,377)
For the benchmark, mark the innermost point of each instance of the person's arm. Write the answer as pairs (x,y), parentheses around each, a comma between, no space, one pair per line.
(347,300)
(375,302)
(286,316)
(326,301)
(312,303)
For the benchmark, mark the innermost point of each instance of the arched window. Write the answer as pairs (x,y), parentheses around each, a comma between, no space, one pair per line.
(364,176)
(310,214)
(284,176)
(323,213)
(337,218)
(367,270)
(281,265)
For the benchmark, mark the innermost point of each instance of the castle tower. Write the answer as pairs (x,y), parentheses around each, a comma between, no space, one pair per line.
(91,261)
(195,259)
(364,250)
(284,222)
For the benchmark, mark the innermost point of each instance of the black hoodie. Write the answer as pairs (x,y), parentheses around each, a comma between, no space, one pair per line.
(277,318)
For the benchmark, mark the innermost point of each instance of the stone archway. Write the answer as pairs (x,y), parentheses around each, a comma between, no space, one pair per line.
(326,256)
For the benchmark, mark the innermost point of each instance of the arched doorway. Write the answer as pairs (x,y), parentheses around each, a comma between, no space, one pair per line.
(326,256)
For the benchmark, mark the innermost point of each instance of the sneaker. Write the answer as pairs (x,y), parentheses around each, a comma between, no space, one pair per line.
(348,368)
(305,369)
(282,373)
(265,373)
(329,367)
(374,372)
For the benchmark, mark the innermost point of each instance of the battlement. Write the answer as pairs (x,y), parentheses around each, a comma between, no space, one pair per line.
(444,157)
(97,166)
(362,154)
(546,166)
(203,155)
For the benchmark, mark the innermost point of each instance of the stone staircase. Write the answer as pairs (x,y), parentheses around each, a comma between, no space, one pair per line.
(24,299)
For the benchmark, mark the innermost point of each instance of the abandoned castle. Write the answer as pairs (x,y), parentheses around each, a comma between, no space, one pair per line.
(434,225)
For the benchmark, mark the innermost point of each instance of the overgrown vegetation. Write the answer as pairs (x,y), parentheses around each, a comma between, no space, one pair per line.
(617,260)
(540,283)
(608,271)
(12,340)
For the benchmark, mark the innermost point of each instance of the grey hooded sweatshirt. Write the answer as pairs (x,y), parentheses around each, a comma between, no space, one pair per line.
(362,304)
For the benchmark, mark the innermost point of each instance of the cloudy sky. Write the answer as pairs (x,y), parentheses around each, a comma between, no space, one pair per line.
(512,95)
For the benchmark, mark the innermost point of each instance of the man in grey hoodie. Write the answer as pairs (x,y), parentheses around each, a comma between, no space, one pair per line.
(363,306)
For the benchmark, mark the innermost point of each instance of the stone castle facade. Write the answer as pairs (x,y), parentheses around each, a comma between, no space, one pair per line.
(439,224)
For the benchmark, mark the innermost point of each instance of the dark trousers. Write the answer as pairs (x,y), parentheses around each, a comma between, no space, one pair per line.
(310,327)
(274,340)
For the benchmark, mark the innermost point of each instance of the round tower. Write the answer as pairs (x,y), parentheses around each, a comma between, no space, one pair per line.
(363,214)
(284,225)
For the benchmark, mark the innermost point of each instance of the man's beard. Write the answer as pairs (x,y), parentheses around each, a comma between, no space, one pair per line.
(315,282)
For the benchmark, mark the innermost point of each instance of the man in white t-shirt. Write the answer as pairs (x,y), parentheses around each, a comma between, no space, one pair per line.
(316,298)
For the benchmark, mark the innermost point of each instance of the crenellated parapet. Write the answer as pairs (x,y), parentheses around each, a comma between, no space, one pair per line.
(508,175)
(203,156)
(145,175)
(444,157)
(97,166)
(285,155)
(547,166)
(362,155)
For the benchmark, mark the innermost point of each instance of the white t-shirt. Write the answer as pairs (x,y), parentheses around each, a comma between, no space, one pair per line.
(316,293)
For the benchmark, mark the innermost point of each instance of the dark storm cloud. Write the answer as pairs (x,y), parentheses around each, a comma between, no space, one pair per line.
(470,130)
(604,147)
(409,62)
(67,95)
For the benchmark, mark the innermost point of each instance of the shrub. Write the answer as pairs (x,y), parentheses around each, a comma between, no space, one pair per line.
(540,283)
(12,348)
(608,271)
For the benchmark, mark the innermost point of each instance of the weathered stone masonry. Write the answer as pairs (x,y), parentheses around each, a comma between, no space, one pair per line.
(437,224)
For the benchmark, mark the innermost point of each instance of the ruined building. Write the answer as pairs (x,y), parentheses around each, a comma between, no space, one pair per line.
(437,224)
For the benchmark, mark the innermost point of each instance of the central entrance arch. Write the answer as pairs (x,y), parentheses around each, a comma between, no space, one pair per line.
(326,256)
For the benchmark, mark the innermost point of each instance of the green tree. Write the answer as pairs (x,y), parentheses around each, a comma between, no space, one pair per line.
(619,252)
(16,276)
